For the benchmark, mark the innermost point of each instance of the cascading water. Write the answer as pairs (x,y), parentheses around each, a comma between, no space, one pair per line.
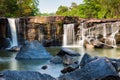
(104,30)
(81,37)
(114,31)
(14,41)
(69,37)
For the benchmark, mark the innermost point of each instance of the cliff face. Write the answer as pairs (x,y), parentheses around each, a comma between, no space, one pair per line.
(48,30)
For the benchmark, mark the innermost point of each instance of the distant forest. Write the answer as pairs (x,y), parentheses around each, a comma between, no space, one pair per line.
(88,9)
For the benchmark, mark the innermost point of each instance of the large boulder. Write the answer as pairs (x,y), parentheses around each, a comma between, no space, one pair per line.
(66,51)
(96,69)
(25,75)
(33,50)
(69,56)
(86,59)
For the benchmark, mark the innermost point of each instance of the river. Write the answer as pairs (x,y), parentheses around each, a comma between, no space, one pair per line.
(8,61)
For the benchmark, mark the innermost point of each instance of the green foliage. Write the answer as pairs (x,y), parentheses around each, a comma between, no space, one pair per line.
(92,9)
(18,8)
(62,9)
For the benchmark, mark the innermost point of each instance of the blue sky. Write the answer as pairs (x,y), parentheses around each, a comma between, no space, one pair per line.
(49,6)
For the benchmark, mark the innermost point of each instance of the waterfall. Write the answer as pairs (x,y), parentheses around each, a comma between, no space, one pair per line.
(81,35)
(69,37)
(104,30)
(14,41)
(114,30)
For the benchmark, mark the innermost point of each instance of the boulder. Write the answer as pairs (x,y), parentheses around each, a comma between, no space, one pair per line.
(70,68)
(25,75)
(15,49)
(115,63)
(99,44)
(86,59)
(56,60)
(89,46)
(96,69)
(33,50)
(67,51)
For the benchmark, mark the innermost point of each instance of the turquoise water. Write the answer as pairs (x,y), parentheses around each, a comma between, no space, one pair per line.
(8,61)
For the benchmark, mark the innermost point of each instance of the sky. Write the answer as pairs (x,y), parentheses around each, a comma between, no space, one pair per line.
(51,6)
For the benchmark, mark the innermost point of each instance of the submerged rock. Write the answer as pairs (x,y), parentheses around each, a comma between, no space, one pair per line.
(25,75)
(33,50)
(96,69)
(44,67)
(66,51)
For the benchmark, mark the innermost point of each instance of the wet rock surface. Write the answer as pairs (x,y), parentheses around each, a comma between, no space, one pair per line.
(25,75)
(84,60)
(33,50)
(96,69)
(66,56)
(15,49)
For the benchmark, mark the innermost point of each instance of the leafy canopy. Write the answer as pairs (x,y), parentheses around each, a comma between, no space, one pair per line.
(92,9)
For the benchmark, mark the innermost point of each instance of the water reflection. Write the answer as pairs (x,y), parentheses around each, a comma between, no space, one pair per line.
(13,63)
(112,53)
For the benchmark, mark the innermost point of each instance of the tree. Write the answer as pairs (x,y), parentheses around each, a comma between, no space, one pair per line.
(73,5)
(111,8)
(61,10)
(94,9)
(28,7)
(17,8)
